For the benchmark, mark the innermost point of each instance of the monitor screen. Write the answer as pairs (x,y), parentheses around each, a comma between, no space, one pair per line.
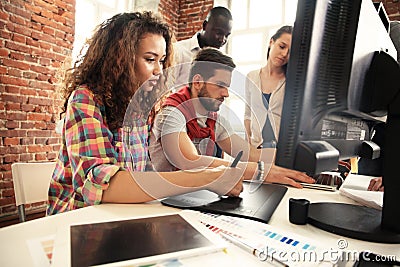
(335,91)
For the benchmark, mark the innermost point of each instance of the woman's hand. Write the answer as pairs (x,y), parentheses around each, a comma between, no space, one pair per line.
(229,182)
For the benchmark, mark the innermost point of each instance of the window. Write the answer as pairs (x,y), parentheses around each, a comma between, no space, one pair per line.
(90,13)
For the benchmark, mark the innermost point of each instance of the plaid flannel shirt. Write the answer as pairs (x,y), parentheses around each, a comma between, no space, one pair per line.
(91,154)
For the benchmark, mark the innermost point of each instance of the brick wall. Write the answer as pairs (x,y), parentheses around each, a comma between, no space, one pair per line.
(169,9)
(35,38)
(392,8)
(187,17)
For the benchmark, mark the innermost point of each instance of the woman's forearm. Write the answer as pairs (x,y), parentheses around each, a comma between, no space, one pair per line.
(141,187)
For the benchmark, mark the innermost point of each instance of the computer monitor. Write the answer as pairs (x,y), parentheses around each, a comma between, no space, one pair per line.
(342,79)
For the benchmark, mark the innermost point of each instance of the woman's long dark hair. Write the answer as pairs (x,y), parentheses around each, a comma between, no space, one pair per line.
(284,29)
(107,66)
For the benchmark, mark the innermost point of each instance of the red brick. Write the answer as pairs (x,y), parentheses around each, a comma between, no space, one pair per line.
(4,184)
(40,101)
(11,158)
(36,117)
(56,147)
(26,157)
(34,149)
(16,64)
(13,106)
(9,141)
(18,20)
(6,201)
(31,42)
(17,55)
(47,14)
(42,77)
(31,59)
(8,192)
(14,98)
(13,81)
(12,124)
(27,108)
(40,156)
(17,149)
(4,149)
(36,26)
(29,74)
(53,140)
(59,34)
(38,133)
(4,52)
(40,19)
(15,73)
(22,30)
(36,35)
(27,125)
(60,19)
(49,30)
(45,45)
(40,125)
(13,133)
(47,6)
(28,91)
(4,15)
(40,69)
(33,9)
(52,155)
(16,116)
(3,70)
(27,141)
(19,38)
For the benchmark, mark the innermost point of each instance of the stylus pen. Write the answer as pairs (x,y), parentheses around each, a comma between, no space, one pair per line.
(237,158)
(256,252)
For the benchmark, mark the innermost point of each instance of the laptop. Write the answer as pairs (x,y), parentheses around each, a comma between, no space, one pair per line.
(258,205)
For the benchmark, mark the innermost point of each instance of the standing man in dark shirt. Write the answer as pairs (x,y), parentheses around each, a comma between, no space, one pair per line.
(215,31)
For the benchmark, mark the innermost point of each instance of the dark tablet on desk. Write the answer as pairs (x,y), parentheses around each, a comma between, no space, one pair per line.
(137,242)
(258,205)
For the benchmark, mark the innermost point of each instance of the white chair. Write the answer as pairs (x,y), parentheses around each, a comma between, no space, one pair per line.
(31,183)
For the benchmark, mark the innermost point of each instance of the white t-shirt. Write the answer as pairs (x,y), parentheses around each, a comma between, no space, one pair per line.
(171,120)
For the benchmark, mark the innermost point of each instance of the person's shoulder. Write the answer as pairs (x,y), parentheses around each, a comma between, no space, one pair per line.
(82,94)
(189,44)
(222,120)
(182,45)
(253,73)
(169,113)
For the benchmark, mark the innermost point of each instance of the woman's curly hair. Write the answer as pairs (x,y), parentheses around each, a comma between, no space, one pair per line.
(107,66)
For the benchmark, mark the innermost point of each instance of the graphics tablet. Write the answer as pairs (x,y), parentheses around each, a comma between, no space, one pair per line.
(259,205)
(134,242)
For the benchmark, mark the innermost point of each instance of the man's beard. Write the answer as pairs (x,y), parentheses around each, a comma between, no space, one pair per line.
(209,103)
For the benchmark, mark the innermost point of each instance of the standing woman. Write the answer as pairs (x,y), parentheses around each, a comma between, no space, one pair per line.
(265,90)
(100,160)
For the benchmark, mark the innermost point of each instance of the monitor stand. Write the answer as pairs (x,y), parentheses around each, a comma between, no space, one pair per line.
(352,221)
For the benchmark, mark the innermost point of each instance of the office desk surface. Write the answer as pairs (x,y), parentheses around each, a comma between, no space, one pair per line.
(15,252)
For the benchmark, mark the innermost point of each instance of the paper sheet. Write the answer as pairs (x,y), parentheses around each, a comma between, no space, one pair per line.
(355,187)
(41,250)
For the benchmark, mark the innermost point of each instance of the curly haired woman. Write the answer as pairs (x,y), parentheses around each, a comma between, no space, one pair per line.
(104,153)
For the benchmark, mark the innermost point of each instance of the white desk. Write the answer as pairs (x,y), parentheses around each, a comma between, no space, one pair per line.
(14,250)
